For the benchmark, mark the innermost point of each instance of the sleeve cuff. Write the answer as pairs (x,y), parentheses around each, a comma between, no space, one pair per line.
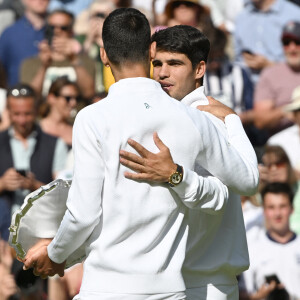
(187,185)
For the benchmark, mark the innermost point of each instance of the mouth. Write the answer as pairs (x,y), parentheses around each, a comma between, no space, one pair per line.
(166,86)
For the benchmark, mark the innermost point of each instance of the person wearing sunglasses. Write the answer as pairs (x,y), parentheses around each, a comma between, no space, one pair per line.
(60,109)
(276,84)
(59,55)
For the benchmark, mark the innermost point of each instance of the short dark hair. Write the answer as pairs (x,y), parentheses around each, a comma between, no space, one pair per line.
(183,39)
(126,36)
(278,188)
(22,90)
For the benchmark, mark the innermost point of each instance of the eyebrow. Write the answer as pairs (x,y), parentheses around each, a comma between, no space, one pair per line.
(169,61)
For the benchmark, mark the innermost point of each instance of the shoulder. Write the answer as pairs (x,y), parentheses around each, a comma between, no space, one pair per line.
(16,27)
(3,134)
(290,7)
(31,62)
(288,132)
(273,70)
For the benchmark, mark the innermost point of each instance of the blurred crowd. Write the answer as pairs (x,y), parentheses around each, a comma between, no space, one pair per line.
(49,58)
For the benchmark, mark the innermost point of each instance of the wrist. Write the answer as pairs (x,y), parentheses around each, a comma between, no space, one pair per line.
(176,177)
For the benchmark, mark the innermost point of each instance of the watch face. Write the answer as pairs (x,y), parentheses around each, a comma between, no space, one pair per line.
(176,178)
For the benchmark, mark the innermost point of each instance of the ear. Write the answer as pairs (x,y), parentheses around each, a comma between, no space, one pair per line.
(51,98)
(104,57)
(200,70)
(152,50)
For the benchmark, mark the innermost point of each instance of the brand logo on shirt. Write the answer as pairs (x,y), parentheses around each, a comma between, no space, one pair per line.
(147,105)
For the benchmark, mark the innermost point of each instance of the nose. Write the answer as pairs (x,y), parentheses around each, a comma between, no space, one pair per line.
(73,102)
(164,72)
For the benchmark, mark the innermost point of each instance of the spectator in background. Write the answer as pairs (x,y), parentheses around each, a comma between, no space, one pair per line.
(187,12)
(289,139)
(59,56)
(73,6)
(258,30)
(61,109)
(275,251)
(231,84)
(276,167)
(224,12)
(276,84)
(88,30)
(20,40)
(29,158)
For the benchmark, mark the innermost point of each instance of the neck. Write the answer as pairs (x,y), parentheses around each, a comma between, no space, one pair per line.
(130,70)
(36,20)
(264,5)
(281,237)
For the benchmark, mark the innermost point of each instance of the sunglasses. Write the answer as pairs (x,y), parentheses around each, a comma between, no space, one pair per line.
(21,92)
(63,28)
(278,164)
(69,98)
(286,42)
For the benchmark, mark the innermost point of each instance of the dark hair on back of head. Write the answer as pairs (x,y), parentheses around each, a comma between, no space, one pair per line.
(278,188)
(183,39)
(126,36)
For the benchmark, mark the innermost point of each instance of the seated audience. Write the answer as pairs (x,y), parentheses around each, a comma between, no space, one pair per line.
(59,55)
(289,139)
(29,157)
(257,33)
(20,40)
(274,271)
(276,84)
(277,168)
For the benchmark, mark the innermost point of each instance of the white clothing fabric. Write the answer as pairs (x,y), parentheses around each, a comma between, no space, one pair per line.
(253,216)
(109,296)
(136,232)
(289,140)
(217,246)
(224,12)
(269,257)
(211,292)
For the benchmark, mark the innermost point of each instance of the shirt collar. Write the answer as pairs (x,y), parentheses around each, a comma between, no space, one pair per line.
(294,236)
(195,98)
(275,7)
(12,133)
(136,83)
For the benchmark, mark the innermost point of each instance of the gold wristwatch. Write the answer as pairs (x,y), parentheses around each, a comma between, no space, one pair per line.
(176,177)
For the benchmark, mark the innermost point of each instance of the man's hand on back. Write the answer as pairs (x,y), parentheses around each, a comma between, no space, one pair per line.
(216,108)
(147,165)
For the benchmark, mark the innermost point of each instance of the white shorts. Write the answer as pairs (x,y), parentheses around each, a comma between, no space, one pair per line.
(109,296)
(213,292)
